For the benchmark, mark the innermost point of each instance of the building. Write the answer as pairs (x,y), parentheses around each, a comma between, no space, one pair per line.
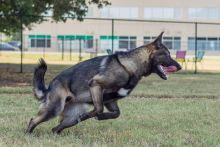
(97,34)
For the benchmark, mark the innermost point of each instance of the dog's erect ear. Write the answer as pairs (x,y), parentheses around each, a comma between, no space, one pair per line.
(158,41)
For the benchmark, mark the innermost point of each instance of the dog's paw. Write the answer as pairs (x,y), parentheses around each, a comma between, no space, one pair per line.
(55,130)
(96,117)
(30,127)
(27,131)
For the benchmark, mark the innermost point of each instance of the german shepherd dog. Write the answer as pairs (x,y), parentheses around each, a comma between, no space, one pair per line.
(99,82)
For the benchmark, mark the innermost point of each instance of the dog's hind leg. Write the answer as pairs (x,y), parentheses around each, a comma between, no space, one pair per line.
(65,123)
(41,117)
(52,107)
(70,116)
(46,113)
(113,113)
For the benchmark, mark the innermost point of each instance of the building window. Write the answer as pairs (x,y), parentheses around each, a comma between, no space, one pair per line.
(191,43)
(90,12)
(161,13)
(127,42)
(170,42)
(120,42)
(88,42)
(214,13)
(176,43)
(197,13)
(119,12)
(147,40)
(132,42)
(204,13)
(123,42)
(68,42)
(39,41)
(212,43)
(204,43)
(106,42)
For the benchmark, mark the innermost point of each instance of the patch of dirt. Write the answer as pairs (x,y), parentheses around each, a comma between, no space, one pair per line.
(14,79)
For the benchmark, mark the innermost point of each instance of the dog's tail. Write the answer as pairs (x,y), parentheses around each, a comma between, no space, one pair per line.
(38,80)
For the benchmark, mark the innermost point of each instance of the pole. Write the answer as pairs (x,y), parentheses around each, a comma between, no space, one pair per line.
(45,45)
(96,47)
(196,26)
(44,52)
(21,65)
(80,49)
(63,49)
(112,36)
(70,50)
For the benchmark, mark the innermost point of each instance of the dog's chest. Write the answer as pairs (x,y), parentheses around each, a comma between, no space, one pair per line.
(123,92)
(126,89)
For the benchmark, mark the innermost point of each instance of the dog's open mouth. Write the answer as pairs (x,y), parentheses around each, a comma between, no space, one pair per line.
(164,71)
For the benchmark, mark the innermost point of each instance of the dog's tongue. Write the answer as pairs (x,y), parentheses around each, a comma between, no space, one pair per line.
(170,69)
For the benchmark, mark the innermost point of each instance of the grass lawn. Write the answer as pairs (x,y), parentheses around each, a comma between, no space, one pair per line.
(182,111)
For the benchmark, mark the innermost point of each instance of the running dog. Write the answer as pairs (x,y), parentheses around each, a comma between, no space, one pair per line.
(99,82)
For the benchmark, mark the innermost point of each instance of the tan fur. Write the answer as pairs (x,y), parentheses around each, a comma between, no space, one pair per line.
(113,78)
(54,103)
(140,60)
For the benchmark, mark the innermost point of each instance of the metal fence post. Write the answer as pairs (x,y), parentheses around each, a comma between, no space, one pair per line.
(196,26)
(21,64)
(63,49)
(112,36)
(80,49)
(44,52)
(96,47)
(70,50)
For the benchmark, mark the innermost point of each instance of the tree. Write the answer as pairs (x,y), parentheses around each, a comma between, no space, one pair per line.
(12,12)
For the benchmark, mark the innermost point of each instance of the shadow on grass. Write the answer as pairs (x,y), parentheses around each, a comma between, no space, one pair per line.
(184,84)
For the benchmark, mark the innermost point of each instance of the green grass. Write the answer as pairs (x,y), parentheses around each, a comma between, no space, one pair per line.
(182,111)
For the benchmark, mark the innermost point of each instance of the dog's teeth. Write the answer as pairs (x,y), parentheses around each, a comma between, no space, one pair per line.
(161,68)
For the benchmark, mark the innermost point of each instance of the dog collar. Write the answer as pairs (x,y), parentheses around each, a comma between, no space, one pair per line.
(130,73)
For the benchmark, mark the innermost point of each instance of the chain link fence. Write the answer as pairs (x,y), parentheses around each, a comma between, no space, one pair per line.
(71,41)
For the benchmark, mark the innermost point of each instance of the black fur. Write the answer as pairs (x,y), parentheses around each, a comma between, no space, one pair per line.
(100,81)
(38,80)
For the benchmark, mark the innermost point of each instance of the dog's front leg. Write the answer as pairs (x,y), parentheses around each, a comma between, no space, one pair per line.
(114,111)
(96,93)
